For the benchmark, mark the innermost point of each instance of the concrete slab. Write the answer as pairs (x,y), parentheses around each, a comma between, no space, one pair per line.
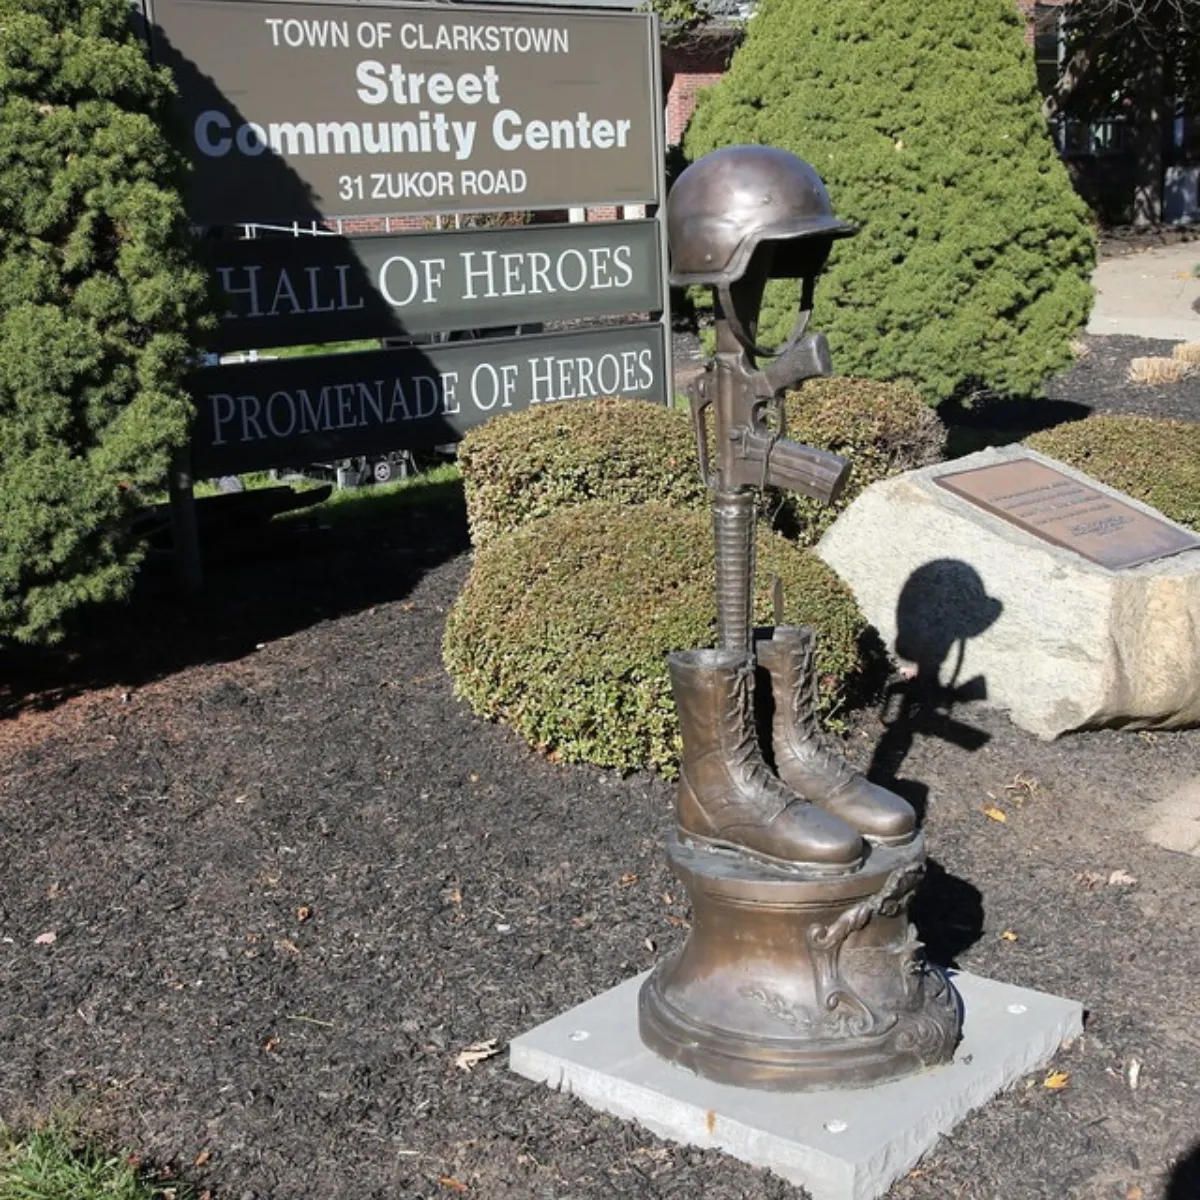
(1151,295)
(1175,822)
(848,1145)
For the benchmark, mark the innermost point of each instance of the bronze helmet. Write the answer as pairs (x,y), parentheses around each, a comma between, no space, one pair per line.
(730,201)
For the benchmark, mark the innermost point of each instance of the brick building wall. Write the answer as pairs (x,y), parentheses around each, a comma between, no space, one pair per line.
(681,100)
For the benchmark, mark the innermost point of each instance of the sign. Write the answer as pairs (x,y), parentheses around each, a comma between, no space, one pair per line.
(296,111)
(282,291)
(1068,512)
(299,410)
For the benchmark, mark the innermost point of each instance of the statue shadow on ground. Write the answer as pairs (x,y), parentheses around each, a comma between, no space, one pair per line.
(266,579)
(941,606)
(1184,1181)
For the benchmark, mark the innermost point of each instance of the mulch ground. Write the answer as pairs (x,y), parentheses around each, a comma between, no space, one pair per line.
(263,879)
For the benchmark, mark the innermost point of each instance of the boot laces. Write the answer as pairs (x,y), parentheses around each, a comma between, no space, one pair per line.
(817,745)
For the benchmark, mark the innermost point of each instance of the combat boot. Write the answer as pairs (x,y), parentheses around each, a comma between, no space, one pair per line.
(805,757)
(728,799)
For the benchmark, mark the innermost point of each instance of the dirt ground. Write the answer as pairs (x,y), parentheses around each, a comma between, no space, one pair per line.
(263,880)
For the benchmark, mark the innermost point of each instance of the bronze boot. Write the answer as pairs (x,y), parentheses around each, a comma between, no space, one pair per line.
(727,799)
(808,761)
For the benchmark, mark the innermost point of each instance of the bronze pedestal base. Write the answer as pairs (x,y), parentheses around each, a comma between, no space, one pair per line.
(790,982)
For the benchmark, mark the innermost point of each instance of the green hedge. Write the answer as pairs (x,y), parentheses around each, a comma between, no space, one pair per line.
(102,301)
(564,627)
(1154,460)
(974,257)
(527,464)
(520,467)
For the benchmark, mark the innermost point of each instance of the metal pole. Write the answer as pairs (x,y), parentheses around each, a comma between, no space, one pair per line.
(185,534)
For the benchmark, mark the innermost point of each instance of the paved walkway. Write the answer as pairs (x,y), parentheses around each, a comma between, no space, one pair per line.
(1153,294)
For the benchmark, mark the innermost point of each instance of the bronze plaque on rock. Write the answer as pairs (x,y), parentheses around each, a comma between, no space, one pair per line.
(1068,512)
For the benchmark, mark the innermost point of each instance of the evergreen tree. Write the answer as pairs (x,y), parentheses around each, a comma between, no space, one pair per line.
(972,266)
(100,303)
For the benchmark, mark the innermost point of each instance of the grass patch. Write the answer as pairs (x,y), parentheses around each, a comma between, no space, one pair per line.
(384,502)
(253,481)
(54,1163)
(318,348)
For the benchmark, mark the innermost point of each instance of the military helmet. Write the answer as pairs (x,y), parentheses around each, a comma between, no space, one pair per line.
(730,201)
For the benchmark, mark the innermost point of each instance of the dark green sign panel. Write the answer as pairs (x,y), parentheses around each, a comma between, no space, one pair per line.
(299,410)
(346,109)
(282,291)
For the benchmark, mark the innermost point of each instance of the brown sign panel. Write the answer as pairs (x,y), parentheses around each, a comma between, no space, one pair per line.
(295,111)
(282,291)
(1063,510)
(291,411)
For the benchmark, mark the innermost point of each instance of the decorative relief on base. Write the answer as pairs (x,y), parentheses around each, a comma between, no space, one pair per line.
(824,986)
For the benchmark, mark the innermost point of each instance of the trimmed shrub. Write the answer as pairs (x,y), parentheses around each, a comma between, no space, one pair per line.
(974,256)
(524,465)
(564,627)
(883,428)
(1155,461)
(520,467)
(101,302)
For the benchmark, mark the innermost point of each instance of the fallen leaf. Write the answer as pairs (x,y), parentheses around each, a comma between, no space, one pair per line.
(272,1043)
(996,814)
(1008,935)
(1122,879)
(288,946)
(474,777)
(452,896)
(672,919)
(627,879)
(201,1158)
(303,913)
(455,1185)
(467,1058)
(46,939)
(53,891)
(667,898)
(407,606)
(1088,879)
(1056,1081)
(1133,1192)
(710,1120)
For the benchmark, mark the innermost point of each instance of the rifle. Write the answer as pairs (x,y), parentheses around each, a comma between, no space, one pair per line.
(752,454)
